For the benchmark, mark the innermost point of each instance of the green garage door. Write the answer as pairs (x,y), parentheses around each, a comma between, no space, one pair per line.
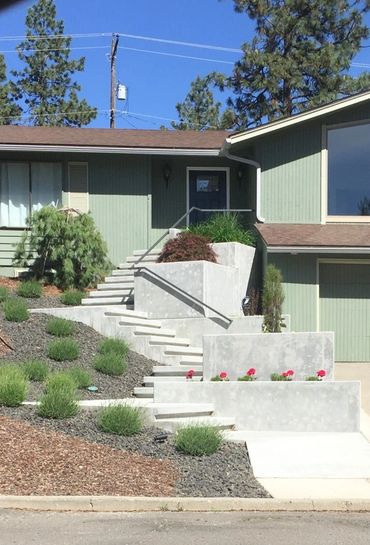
(345,308)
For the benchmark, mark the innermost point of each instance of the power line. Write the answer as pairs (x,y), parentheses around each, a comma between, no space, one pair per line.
(55,114)
(57,49)
(187,44)
(174,55)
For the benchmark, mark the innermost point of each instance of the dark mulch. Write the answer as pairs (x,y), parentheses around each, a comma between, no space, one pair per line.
(226,473)
(30,340)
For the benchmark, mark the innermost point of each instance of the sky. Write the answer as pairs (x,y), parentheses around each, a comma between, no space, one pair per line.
(155,81)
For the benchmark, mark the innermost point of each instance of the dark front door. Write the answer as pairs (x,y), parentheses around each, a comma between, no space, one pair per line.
(207,190)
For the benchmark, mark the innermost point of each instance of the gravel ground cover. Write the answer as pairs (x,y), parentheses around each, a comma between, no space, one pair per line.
(29,340)
(225,473)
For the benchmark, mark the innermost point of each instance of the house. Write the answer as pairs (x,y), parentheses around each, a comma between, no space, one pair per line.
(303,180)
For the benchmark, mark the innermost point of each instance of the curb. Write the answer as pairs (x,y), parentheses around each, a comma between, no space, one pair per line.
(100,504)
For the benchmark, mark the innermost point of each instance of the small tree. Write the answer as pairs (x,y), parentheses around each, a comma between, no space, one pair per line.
(70,245)
(272,300)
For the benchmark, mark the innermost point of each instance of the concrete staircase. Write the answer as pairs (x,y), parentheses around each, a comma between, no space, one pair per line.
(118,287)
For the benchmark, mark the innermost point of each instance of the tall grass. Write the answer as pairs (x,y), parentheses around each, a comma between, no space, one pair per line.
(224,228)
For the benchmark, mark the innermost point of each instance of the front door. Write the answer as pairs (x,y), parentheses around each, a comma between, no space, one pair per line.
(207,190)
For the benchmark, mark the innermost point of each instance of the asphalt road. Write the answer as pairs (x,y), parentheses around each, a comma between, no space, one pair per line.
(27,528)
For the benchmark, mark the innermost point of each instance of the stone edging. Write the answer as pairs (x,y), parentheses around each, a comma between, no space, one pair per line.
(177,504)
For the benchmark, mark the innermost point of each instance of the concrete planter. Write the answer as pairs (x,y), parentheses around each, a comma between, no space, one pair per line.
(274,406)
(268,353)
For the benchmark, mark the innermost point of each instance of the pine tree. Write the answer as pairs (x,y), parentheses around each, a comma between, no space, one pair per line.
(299,57)
(9,111)
(200,111)
(45,85)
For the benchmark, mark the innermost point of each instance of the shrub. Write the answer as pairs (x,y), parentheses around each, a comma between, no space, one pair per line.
(110,364)
(4,293)
(81,377)
(187,247)
(120,420)
(72,297)
(63,350)
(115,346)
(272,300)
(69,244)
(15,310)
(59,327)
(61,380)
(198,440)
(224,228)
(13,386)
(58,403)
(35,370)
(31,289)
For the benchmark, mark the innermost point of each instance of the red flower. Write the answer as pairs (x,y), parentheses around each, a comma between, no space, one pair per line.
(290,373)
(223,375)
(190,374)
(321,373)
(285,374)
(251,372)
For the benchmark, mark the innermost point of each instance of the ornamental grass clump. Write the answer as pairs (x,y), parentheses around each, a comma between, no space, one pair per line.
(272,300)
(13,386)
(35,370)
(72,297)
(187,246)
(59,327)
(81,377)
(15,310)
(198,440)
(4,293)
(120,420)
(30,289)
(224,228)
(113,346)
(59,400)
(63,350)
(110,364)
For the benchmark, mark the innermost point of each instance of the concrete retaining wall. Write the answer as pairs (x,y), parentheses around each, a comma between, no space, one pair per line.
(268,353)
(274,406)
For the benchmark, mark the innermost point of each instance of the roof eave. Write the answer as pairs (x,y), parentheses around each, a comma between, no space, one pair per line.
(317,249)
(111,150)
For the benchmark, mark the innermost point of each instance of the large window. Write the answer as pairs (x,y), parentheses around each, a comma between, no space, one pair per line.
(349,171)
(27,187)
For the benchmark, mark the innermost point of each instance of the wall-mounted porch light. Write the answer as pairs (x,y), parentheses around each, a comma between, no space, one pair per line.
(166,173)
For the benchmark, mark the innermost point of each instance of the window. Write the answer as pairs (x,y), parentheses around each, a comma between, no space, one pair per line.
(78,191)
(349,171)
(27,187)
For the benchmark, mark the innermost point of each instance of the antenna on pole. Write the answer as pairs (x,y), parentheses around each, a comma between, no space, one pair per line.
(113,57)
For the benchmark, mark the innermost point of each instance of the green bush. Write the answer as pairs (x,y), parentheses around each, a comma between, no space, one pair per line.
(198,440)
(15,310)
(58,403)
(224,228)
(110,364)
(35,370)
(187,246)
(31,289)
(59,327)
(81,377)
(72,297)
(69,244)
(63,350)
(115,346)
(61,380)
(120,420)
(4,294)
(13,386)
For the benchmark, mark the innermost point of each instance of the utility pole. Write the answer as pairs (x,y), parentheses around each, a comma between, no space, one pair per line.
(113,84)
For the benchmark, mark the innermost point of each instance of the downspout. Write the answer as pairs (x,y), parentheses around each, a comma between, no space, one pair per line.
(257,166)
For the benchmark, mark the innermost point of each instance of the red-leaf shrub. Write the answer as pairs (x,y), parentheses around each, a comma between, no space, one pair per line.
(187,247)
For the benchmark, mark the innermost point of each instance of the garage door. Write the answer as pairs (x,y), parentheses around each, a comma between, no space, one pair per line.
(345,308)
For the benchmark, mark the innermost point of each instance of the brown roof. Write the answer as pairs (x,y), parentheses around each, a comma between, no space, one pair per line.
(330,235)
(125,138)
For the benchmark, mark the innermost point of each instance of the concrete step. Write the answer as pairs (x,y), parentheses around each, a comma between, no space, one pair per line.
(169,341)
(116,285)
(185,350)
(126,281)
(191,360)
(128,267)
(173,424)
(110,293)
(123,273)
(182,410)
(147,259)
(95,301)
(128,321)
(139,253)
(127,313)
(141,331)
(150,381)
(176,370)
(141,391)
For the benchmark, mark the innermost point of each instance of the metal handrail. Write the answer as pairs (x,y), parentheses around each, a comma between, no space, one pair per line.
(188,295)
(184,217)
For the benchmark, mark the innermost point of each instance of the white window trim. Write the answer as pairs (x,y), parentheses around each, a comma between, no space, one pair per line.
(216,169)
(325,218)
(78,163)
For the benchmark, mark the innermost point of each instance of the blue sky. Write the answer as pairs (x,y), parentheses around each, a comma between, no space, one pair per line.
(155,82)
